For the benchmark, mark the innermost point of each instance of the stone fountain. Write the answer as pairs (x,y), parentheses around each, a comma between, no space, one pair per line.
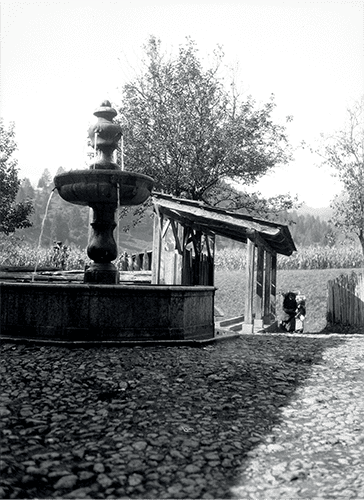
(103,188)
(100,310)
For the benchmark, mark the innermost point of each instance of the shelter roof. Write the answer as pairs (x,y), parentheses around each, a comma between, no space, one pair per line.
(272,236)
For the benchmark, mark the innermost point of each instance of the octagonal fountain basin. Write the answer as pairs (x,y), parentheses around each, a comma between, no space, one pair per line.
(86,187)
(106,314)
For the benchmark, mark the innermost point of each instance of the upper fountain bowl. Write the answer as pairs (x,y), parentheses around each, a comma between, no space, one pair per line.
(88,187)
(104,182)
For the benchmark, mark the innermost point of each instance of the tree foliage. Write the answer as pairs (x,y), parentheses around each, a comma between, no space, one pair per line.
(13,215)
(182,127)
(344,153)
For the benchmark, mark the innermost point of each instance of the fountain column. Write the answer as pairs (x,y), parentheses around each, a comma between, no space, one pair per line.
(102,248)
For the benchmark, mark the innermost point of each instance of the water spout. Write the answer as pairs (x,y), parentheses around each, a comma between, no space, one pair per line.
(122,152)
(95,151)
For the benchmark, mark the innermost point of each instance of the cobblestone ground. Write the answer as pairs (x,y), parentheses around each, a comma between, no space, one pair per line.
(317,450)
(259,417)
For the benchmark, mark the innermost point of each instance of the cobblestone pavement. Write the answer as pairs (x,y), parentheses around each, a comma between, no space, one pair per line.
(258,417)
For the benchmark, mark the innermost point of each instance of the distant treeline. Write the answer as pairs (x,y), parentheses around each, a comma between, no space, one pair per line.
(69,223)
(308,230)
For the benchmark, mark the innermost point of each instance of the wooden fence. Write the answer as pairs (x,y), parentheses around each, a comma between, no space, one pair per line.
(345,303)
(134,262)
(135,268)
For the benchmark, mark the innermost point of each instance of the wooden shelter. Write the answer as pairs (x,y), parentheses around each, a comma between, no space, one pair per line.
(184,246)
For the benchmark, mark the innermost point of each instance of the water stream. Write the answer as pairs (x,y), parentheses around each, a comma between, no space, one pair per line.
(41,234)
(92,168)
(118,217)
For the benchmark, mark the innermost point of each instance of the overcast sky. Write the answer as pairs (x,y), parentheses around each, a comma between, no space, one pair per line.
(60,60)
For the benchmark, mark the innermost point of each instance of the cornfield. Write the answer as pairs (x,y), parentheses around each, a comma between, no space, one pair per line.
(14,252)
(306,258)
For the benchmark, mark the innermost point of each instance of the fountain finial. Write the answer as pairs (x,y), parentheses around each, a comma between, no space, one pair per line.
(104,136)
(106,111)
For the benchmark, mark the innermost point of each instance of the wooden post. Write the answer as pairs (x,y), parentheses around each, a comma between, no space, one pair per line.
(186,260)
(210,242)
(267,288)
(178,234)
(168,263)
(273,289)
(146,261)
(157,247)
(258,320)
(249,296)
(196,236)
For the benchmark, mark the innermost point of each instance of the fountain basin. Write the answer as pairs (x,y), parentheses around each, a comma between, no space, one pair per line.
(104,313)
(88,187)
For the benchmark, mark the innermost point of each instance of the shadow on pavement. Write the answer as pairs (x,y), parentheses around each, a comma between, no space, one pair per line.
(171,422)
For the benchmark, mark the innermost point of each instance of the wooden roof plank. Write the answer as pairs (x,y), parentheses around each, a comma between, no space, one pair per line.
(274,236)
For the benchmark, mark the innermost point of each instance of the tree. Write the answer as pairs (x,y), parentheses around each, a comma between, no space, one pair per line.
(26,190)
(183,128)
(344,153)
(60,226)
(45,180)
(13,215)
(78,226)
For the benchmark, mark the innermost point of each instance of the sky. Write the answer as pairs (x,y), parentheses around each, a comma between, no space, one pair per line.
(61,59)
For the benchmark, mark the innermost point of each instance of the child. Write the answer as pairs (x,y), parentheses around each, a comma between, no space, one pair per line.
(288,322)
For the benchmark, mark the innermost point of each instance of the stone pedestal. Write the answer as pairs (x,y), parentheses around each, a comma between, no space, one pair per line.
(102,248)
(103,274)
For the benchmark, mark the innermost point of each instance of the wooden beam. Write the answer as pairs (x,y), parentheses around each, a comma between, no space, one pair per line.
(176,237)
(165,227)
(207,245)
(196,240)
